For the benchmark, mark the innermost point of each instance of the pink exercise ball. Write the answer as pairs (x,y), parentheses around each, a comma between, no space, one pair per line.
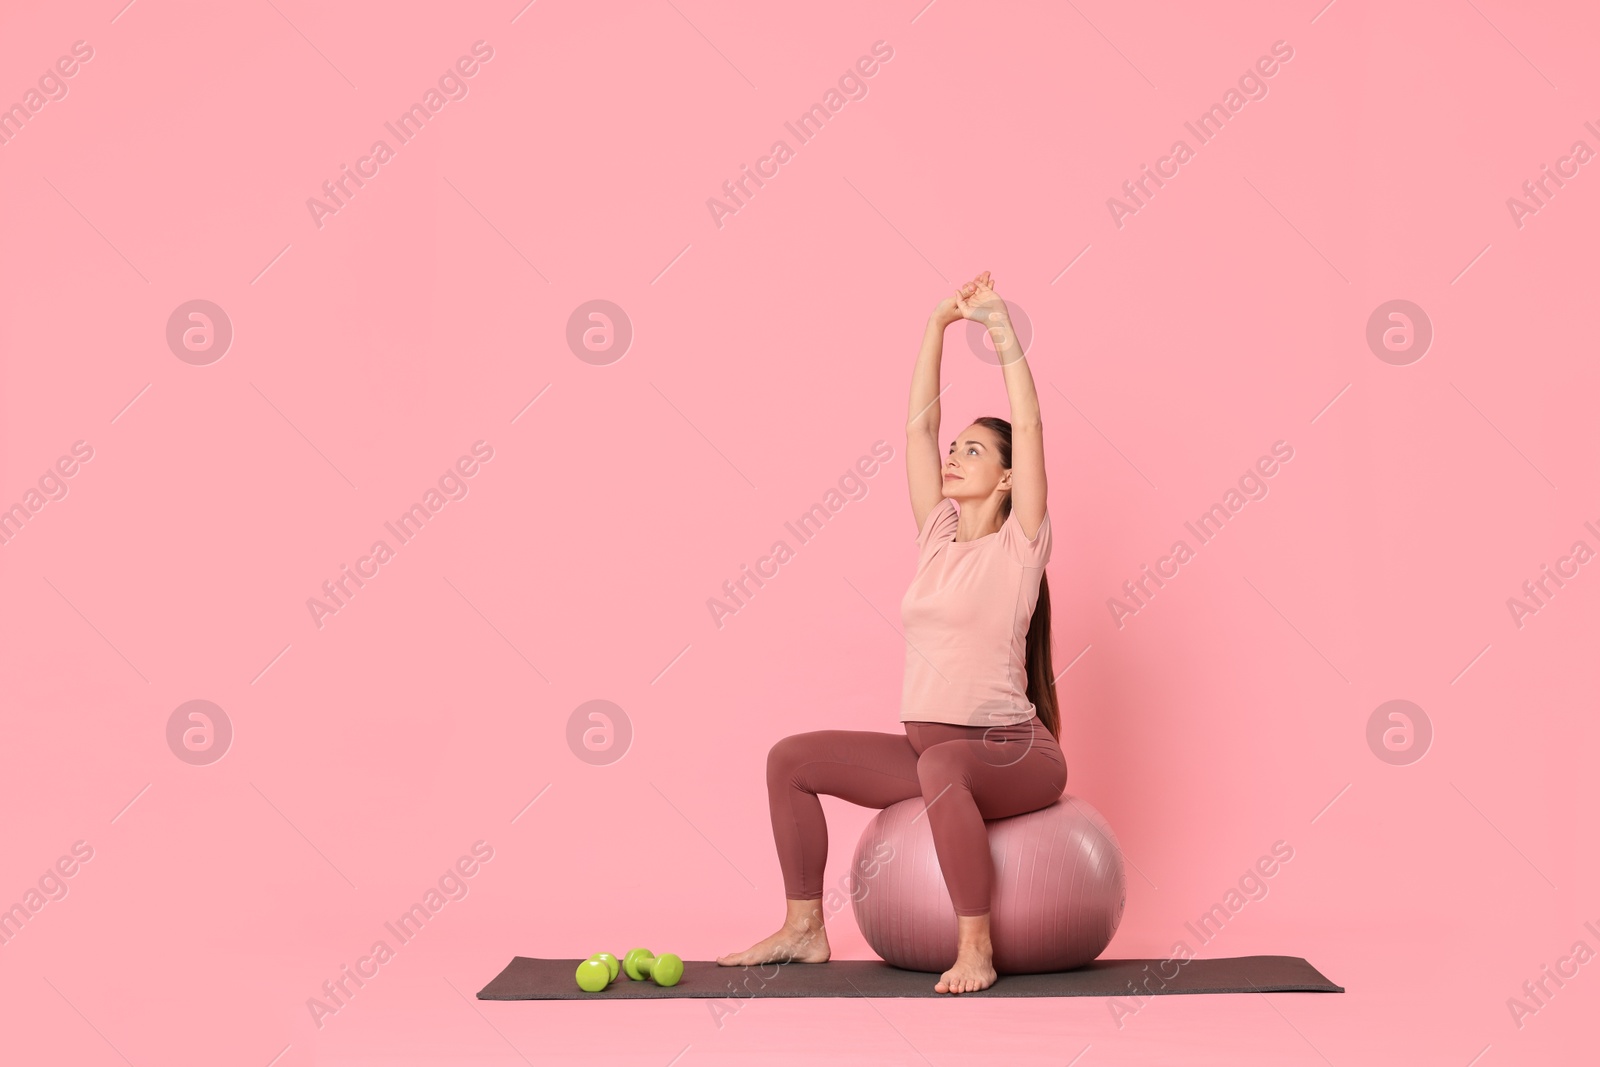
(1057,894)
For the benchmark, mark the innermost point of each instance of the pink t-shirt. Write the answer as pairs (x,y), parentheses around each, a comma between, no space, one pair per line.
(966,620)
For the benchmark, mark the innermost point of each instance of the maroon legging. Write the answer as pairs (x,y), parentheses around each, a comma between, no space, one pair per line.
(965,774)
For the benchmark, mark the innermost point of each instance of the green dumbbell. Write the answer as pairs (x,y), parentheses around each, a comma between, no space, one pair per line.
(597,972)
(641,963)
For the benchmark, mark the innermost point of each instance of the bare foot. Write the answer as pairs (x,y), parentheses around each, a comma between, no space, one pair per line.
(789,945)
(974,970)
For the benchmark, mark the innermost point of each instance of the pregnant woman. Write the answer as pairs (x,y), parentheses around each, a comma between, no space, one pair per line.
(978,704)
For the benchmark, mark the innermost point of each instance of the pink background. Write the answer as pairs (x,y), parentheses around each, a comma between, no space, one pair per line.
(768,355)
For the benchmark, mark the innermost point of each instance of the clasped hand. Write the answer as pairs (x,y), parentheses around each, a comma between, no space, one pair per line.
(976,300)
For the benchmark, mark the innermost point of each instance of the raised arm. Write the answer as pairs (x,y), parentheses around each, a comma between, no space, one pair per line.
(924,467)
(1027,432)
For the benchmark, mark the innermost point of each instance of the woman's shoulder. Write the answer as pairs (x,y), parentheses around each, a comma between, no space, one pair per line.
(939,524)
(1032,551)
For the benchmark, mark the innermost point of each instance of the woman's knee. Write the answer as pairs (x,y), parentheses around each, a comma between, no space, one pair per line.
(788,753)
(940,766)
(781,754)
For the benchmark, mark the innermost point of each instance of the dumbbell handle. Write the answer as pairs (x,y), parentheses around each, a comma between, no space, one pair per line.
(641,964)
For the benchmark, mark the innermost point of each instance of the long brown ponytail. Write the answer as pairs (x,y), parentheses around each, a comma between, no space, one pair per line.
(1041,687)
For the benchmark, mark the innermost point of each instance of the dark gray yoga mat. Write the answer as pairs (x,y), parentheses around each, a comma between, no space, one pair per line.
(529,978)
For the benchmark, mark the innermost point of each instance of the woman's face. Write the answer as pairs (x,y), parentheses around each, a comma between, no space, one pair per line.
(972,467)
